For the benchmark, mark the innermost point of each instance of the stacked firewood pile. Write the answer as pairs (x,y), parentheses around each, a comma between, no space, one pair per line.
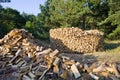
(22,59)
(76,40)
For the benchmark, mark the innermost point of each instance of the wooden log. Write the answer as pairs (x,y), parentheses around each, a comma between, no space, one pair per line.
(94,76)
(75,71)
(105,74)
(54,53)
(115,70)
(40,78)
(87,69)
(56,61)
(24,69)
(110,69)
(38,73)
(31,75)
(21,63)
(25,77)
(64,75)
(49,60)
(17,61)
(46,51)
(16,55)
(65,58)
(100,68)
(56,69)
(70,62)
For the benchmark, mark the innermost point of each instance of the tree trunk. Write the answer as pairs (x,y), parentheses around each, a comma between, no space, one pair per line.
(83,22)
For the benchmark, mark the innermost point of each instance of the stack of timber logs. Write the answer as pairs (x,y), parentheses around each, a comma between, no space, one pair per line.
(24,60)
(76,40)
(19,39)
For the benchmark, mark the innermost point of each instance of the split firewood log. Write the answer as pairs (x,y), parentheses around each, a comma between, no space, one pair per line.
(100,68)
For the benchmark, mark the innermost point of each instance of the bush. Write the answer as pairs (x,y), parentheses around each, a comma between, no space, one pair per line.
(115,34)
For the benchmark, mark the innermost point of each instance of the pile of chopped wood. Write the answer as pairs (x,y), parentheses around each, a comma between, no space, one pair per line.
(19,39)
(76,40)
(22,59)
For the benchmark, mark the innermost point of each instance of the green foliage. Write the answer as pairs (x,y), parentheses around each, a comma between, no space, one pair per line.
(111,24)
(34,27)
(114,19)
(73,13)
(66,13)
(114,6)
(98,11)
(115,34)
(9,19)
(44,16)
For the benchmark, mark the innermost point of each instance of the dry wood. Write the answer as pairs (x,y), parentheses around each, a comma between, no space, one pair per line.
(64,75)
(76,40)
(115,70)
(75,71)
(44,74)
(110,69)
(101,68)
(54,53)
(31,75)
(45,51)
(105,74)
(56,62)
(94,76)
(38,73)
(86,68)
(16,55)
(22,57)
(70,62)
(56,69)
(25,77)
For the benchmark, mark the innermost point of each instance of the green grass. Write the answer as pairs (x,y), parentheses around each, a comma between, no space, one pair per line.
(111,45)
(111,51)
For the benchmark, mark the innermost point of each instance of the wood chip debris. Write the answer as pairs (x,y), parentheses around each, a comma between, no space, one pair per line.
(22,59)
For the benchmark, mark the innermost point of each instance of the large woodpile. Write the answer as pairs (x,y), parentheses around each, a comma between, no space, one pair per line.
(76,40)
(22,59)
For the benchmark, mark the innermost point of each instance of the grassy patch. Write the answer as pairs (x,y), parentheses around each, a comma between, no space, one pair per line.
(111,45)
(111,51)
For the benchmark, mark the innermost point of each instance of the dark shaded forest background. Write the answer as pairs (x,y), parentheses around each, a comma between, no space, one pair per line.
(103,15)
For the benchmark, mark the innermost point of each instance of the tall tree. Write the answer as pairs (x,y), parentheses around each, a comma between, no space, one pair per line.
(67,13)
(112,23)
(73,13)
(9,19)
(98,11)
(44,15)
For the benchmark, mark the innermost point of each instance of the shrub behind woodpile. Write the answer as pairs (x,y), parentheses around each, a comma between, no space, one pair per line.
(76,40)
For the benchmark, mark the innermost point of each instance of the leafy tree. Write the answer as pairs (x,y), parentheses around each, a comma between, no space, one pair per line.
(9,19)
(112,23)
(33,26)
(43,21)
(73,13)
(98,11)
(67,13)
(44,16)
